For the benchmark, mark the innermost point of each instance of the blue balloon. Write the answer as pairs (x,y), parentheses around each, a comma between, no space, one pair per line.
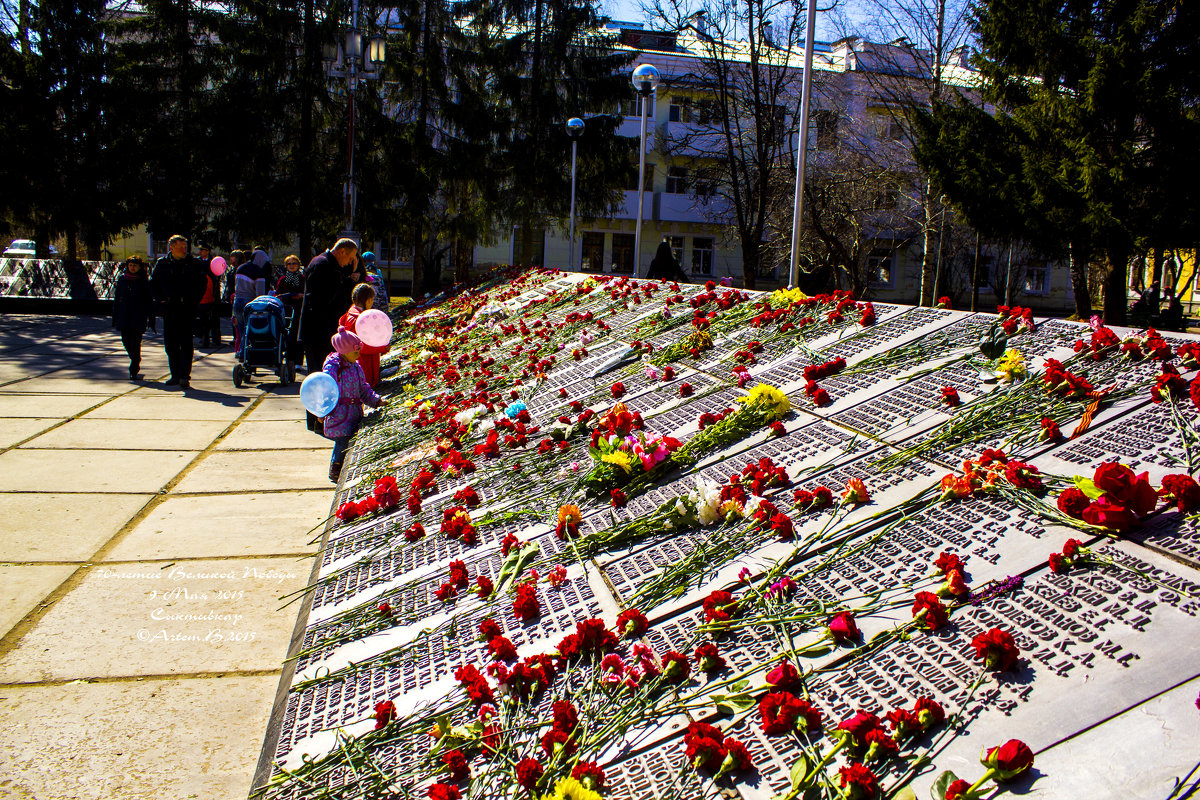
(319,393)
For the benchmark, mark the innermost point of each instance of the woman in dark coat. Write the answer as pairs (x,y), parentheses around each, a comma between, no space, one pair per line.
(133,310)
(664,266)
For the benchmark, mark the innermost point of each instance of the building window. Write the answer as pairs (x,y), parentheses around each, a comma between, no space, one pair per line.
(885,198)
(630,107)
(1037,280)
(827,129)
(593,252)
(390,251)
(676,243)
(881,268)
(622,252)
(677,180)
(702,256)
(631,179)
(680,110)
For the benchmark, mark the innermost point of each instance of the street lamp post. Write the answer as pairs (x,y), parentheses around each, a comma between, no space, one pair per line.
(802,155)
(574,130)
(645,81)
(348,60)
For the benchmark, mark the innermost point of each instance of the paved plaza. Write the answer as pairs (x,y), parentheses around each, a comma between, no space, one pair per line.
(146,538)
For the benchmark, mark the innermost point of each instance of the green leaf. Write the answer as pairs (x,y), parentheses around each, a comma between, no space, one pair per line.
(1089,488)
(733,703)
(938,790)
(906,793)
(799,772)
(817,650)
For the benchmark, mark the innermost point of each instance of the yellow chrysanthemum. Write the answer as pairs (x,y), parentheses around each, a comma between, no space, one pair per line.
(1011,365)
(571,789)
(619,458)
(773,401)
(781,298)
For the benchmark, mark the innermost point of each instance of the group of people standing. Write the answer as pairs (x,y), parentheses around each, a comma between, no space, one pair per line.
(187,295)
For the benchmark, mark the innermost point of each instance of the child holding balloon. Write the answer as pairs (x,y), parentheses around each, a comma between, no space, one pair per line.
(362,298)
(343,418)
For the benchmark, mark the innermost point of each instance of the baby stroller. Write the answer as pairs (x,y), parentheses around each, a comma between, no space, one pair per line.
(264,342)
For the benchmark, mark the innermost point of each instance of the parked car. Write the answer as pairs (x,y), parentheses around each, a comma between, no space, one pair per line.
(26,248)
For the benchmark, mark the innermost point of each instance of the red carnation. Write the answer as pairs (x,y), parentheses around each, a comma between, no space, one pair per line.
(704,746)
(617,390)
(737,756)
(998,649)
(1183,489)
(488,629)
(1073,503)
(444,791)
(385,712)
(858,782)
(950,396)
(709,658)
(948,562)
(618,498)
(935,615)
(529,772)
(686,390)
(501,647)
(484,586)
(456,763)
(632,622)
(526,605)
(859,725)
(929,712)
(557,740)
(719,606)
(589,774)
(675,667)
(566,718)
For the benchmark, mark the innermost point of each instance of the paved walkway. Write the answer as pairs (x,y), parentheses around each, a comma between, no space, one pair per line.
(145,539)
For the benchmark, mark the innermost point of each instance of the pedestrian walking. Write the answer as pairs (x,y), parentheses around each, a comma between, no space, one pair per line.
(177,284)
(133,311)
(341,423)
(326,297)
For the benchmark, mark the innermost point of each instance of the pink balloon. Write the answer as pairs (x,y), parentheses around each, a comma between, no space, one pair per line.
(218,266)
(374,327)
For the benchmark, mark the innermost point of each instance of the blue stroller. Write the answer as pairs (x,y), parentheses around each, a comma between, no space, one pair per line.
(264,341)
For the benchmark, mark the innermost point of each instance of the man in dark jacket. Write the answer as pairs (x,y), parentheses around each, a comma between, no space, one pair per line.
(178,284)
(326,298)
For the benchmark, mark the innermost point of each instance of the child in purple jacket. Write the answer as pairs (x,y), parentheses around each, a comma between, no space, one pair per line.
(353,390)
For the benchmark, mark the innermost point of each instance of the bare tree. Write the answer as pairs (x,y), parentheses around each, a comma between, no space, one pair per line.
(736,140)
(924,58)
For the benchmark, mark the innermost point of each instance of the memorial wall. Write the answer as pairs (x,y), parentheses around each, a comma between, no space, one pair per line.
(627,539)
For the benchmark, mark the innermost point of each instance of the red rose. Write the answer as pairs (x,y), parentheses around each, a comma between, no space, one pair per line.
(784,677)
(1008,760)
(998,649)
(1107,514)
(844,629)
(1073,502)
(632,622)
(935,615)
(444,791)
(529,772)
(957,790)
(858,782)
(1124,488)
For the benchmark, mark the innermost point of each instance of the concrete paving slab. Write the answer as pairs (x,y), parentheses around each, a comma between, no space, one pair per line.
(278,434)
(154,619)
(131,740)
(276,407)
(45,405)
(208,527)
(29,470)
(42,526)
(24,586)
(21,428)
(120,434)
(168,402)
(249,471)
